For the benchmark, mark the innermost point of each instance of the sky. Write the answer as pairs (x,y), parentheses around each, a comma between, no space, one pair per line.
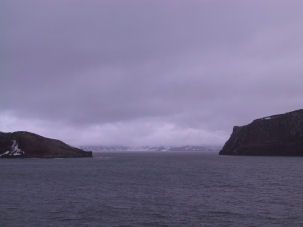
(147,72)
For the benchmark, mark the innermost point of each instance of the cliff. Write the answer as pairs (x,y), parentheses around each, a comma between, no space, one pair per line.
(275,135)
(29,145)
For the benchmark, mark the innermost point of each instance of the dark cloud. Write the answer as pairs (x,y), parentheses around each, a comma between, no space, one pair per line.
(147,72)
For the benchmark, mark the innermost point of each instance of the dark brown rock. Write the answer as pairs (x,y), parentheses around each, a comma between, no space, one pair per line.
(29,145)
(275,135)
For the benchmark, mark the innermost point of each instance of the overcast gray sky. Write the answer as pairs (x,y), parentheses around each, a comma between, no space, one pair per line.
(147,72)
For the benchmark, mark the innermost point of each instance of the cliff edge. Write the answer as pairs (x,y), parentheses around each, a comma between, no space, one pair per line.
(274,135)
(29,145)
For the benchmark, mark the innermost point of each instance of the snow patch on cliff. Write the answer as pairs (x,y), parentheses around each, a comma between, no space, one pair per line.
(14,150)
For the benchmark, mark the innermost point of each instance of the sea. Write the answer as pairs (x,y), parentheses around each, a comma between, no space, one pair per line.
(152,189)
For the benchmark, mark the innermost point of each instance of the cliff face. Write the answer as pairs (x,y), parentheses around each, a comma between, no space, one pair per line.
(275,135)
(29,145)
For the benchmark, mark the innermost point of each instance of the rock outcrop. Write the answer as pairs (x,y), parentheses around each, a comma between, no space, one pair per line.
(30,145)
(275,135)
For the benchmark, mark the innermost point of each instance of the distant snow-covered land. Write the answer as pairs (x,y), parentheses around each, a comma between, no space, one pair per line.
(151,148)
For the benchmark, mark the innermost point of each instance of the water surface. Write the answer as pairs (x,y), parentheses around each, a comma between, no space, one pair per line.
(152,189)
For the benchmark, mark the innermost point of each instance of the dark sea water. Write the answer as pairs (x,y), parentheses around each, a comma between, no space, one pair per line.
(152,189)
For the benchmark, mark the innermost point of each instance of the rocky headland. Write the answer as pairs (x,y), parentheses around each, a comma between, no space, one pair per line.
(274,135)
(29,145)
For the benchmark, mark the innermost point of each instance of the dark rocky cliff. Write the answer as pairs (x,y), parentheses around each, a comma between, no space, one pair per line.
(29,145)
(275,135)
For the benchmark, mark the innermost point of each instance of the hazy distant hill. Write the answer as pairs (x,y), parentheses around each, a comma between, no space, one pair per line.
(150,148)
